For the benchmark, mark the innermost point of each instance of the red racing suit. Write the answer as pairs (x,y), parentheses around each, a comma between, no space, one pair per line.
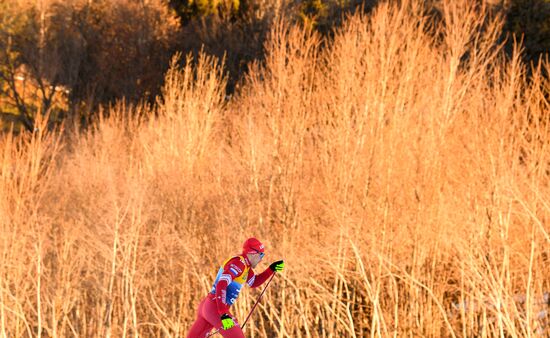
(231,277)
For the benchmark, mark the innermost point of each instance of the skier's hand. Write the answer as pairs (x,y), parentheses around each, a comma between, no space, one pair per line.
(227,321)
(277,266)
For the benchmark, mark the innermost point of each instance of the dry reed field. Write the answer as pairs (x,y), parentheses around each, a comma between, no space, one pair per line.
(401,168)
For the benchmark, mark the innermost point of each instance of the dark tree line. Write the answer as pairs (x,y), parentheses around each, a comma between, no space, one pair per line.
(65,58)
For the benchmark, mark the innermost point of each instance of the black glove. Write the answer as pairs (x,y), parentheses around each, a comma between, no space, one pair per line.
(277,266)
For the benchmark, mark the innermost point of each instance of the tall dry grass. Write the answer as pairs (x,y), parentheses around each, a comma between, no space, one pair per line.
(400,168)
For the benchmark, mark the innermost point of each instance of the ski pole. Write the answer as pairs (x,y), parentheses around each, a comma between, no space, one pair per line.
(253,307)
(258,300)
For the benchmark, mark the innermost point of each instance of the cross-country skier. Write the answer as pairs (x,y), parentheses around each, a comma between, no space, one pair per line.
(213,310)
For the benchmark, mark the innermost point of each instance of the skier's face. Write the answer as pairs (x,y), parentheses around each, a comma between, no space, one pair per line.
(255,258)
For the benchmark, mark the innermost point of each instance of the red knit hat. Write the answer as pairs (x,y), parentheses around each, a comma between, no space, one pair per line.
(252,245)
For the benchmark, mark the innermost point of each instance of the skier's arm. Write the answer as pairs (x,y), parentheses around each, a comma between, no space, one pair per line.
(233,269)
(255,281)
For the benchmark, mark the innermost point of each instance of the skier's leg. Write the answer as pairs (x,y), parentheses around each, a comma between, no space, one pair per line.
(210,313)
(201,326)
